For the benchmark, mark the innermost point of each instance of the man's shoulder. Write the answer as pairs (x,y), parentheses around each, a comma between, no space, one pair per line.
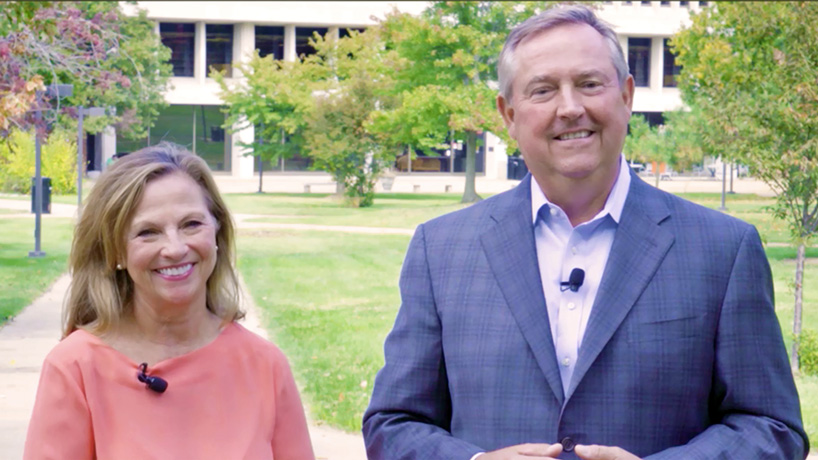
(476,215)
(686,213)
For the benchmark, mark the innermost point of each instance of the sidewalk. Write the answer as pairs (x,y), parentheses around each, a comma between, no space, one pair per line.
(25,341)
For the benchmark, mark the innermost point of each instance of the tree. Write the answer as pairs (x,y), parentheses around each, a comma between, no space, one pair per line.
(110,59)
(337,136)
(752,68)
(272,96)
(445,66)
(672,143)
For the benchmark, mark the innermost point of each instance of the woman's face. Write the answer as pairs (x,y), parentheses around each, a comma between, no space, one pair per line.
(171,244)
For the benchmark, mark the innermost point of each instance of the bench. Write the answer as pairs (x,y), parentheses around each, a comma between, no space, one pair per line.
(308,186)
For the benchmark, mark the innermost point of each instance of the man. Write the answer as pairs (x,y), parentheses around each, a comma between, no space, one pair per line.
(583,314)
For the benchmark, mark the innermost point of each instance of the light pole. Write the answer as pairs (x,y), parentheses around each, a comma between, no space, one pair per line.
(723,185)
(51,91)
(91,112)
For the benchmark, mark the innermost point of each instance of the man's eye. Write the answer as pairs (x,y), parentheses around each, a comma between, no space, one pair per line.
(591,84)
(540,91)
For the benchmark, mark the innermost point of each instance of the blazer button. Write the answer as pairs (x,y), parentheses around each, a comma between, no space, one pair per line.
(568,444)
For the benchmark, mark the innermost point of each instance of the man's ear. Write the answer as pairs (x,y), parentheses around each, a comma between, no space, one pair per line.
(628,91)
(507,112)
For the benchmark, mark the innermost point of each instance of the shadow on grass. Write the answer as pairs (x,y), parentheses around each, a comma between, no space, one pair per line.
(788,252)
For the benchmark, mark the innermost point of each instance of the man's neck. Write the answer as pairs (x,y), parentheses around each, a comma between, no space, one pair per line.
(580,199)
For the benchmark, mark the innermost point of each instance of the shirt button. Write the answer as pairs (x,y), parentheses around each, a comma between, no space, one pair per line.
(554,212)
(571,305)
(573,250)
(568,444)
(566,362)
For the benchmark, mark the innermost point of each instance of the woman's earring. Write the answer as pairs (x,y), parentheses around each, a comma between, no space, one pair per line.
(119,266)
(217,247)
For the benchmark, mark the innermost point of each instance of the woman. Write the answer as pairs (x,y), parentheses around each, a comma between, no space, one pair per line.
(152,363)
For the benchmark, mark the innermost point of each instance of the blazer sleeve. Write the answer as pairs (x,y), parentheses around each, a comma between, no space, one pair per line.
(754,402)
(409,414)
(291,437)
(60,425)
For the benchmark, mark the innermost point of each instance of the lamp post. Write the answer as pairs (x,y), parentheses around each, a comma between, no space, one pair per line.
(723,185)
(51,91)
(91,112)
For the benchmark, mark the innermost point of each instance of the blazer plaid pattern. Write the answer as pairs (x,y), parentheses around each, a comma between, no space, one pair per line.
(682,358)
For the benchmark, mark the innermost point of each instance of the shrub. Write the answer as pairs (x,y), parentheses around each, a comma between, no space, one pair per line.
(808,352)
(58,162)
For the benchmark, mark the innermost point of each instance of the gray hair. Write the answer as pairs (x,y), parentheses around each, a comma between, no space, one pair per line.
(548,19)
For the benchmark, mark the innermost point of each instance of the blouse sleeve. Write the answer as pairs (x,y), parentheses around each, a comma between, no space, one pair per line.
(291,438)
(60,425)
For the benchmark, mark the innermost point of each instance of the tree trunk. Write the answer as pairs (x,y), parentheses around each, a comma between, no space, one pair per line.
(658,176)
(470,193)
(799,290)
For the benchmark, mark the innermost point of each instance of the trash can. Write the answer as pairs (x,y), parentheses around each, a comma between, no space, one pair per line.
(46,195)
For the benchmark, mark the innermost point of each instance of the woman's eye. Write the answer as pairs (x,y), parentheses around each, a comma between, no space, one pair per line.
(146,232)
(192,224)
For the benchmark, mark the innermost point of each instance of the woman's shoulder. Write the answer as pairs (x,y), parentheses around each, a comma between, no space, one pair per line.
(254,346)
(77,344)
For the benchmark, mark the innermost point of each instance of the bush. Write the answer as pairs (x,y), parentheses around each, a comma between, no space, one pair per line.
(58,162)
(808,352)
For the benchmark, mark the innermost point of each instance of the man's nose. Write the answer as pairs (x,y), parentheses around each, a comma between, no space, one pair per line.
(569,104)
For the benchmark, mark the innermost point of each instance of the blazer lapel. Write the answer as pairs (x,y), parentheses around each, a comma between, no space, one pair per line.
(511,253)
(639,246)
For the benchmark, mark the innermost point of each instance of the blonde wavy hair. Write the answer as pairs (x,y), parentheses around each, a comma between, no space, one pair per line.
(100,294)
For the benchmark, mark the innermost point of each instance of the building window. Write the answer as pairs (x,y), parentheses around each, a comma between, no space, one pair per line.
(671,70)
(198,128)
(346,32)
(684,4)
(219,46)
(270,40)
(639,60)
(302,36)
(180,38)
(664,3)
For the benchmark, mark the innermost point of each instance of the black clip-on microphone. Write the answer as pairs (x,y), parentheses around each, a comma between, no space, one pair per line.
(156,384)
(575,280)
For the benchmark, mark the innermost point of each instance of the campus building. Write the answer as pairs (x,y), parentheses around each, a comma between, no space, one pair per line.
(202,35)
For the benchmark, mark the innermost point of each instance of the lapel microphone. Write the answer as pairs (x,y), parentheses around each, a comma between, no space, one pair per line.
(156,384)
(575,280)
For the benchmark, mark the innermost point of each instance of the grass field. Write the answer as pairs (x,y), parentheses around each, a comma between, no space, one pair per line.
(23,278)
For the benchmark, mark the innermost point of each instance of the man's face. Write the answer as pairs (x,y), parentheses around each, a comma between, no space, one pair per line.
(568,112)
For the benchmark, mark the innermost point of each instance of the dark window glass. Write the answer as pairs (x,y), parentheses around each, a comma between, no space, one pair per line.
(684,4)
(302,36)
(645,3)
(219,46)
(198,128)
(664,3)
(639,60)
(270,40)
(671,70)
(703,4)
(346,32)
(180,38)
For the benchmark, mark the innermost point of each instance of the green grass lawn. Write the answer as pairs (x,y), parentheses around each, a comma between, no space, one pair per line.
(390,210)
(23,278)
(329,299)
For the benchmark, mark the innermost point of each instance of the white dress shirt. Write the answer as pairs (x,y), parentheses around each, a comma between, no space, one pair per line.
(562,247)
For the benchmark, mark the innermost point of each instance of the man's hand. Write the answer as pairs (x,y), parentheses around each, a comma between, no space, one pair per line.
(594,452)
(524,452)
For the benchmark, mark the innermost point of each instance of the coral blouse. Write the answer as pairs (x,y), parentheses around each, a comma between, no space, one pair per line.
(234,398)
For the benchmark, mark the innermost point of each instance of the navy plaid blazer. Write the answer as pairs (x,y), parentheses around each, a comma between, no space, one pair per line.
(682,358)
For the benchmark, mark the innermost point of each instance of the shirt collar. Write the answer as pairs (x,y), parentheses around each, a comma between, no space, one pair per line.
(613,205)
